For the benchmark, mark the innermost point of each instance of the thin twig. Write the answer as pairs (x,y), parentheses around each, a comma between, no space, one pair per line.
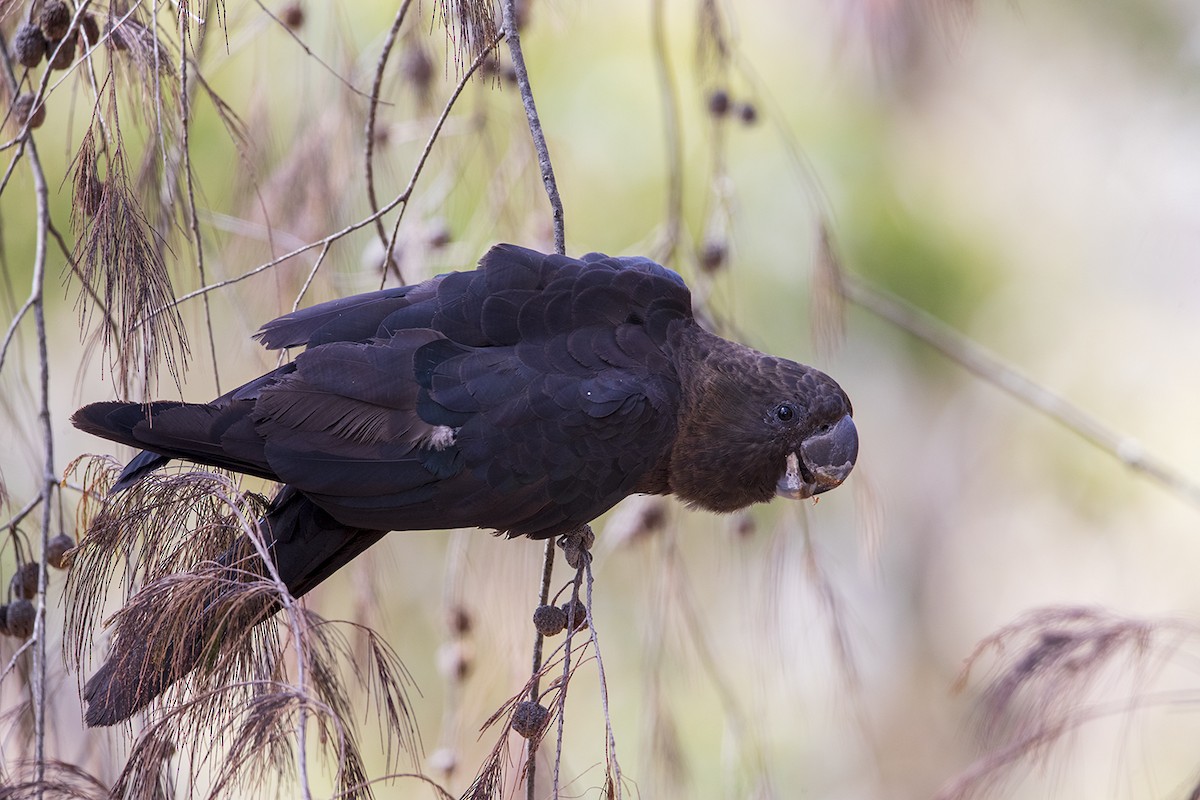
(185,104)
(513,36)
(25,511)
(369,132)
(12,662)
(737,721)
(535,124)
(565,681)
(670,103)
(97,301)
(308,51)
(49,479)
(408,190)
(608,726)
(294,623)
(12,326)
(399,199)
(430,782)
(535,688)
(12,164)
(984,364)
(312,273)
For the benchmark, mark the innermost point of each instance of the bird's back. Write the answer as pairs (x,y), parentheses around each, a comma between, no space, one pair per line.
(527,396)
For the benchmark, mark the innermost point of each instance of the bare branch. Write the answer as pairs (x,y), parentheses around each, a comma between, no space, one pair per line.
(614,766)
(399,199)
(987,366)
(186,94)
(12,326)
(669,93)
(308,51)
(512,35)
(369,130)
(49,479)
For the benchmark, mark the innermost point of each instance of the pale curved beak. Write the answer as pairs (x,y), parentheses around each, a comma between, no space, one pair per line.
(822,463)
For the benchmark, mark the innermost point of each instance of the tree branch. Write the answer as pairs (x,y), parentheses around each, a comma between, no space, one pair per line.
(369,131)
(987,366)
(535,125)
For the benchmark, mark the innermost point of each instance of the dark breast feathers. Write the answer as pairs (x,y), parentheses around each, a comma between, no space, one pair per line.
(528,396)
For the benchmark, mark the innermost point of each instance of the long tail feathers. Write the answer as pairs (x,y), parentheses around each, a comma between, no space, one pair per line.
(148,654)
(220,434)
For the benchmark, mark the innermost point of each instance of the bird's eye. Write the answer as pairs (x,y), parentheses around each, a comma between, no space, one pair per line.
(786,412)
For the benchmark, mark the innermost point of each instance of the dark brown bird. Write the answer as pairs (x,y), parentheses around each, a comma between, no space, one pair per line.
(528,397)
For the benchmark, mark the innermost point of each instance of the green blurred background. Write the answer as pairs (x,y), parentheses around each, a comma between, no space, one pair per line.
(1027,173)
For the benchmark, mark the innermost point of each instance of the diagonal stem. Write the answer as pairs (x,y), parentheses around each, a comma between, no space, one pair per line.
(535,689)
(535,124)
(986,365)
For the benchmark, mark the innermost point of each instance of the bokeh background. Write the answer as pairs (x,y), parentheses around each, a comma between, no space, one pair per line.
(1026,173)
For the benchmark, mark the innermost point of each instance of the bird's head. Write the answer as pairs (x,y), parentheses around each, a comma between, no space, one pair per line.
(761,426)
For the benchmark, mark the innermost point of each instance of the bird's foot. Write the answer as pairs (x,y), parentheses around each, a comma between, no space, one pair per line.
(576,546)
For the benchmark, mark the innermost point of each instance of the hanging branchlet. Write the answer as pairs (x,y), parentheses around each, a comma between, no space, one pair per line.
(131,34)
(59,781)
(203,605)
(828,315)
(146,775)
(471,28)
(522,719)
(1047,662)
(713,46)
(120,261)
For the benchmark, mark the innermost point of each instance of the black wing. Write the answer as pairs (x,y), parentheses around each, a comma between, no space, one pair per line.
(538,397)
(527,396)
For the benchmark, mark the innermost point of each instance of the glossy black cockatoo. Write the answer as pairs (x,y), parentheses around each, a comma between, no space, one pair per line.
(527,397)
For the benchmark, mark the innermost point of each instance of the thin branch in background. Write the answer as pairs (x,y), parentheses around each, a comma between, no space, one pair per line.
(459,623)
(12,326)
(15,520)
(186,94)
(613,773)
(369,132)
(12,164)
(296,623)
(991,369)
(536,667)
(821,206)
(660,741)
(406,195)
(827,305)
(312,274)
(437,788)
(400,199)
(573,609)
(29,643)
(738,722)
(513,37)
(470,25)
(1047,664)
(834,611)
(49,478)
(308,51)
(669,95)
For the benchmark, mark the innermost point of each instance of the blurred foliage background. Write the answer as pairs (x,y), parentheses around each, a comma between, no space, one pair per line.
(1026,173)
